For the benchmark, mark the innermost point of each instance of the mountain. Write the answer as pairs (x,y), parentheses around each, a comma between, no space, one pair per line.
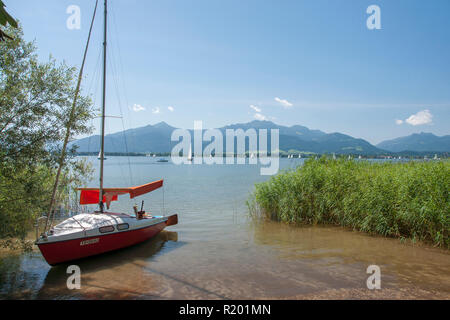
(150,138)
(301,139)
(298,131)
(419,142)
(157,139)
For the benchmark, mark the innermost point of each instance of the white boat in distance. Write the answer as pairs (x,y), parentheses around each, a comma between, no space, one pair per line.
(190,158)
(100,156)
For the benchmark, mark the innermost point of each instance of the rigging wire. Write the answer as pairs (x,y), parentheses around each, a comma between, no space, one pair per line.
(69,123)
(96,80)
(114,68)
(121,71)
(114,77)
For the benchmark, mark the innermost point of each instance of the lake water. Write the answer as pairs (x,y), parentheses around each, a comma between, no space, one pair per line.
(217,252)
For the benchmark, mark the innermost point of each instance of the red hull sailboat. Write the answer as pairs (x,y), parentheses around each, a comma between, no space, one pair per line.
(86,235)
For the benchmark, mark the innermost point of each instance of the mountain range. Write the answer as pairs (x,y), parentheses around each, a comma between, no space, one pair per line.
(157,139)
(419,142)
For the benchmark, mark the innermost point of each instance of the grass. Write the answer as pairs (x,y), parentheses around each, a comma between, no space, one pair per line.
(405,200)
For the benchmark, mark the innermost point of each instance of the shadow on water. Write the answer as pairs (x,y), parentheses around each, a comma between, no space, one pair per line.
(108,275)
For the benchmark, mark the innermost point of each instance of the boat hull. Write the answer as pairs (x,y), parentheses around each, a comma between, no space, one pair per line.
(71,250)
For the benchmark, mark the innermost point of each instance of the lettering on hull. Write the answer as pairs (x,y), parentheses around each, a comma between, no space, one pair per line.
(89,242)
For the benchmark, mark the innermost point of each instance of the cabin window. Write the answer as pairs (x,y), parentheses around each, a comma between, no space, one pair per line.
(123,226)
(106,229)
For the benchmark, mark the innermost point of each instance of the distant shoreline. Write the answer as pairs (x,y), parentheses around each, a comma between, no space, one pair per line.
(405,154)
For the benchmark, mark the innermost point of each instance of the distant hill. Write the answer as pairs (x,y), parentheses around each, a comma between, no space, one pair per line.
(419,142)
(150,138)
(156,139)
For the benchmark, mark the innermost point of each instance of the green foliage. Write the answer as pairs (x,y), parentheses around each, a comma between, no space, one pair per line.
(35,104)
(405,200)
(5,19)
(25,194)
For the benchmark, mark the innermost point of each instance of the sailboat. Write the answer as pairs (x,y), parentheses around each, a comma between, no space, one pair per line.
(100,156)
(87,235)
(190,158)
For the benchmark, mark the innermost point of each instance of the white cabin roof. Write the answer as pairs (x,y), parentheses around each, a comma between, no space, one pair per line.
(89,221)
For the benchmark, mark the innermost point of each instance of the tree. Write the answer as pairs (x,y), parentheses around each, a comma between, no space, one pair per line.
(5,19)
(35,104)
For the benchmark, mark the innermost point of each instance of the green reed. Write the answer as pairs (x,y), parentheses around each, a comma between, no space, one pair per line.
(405,200)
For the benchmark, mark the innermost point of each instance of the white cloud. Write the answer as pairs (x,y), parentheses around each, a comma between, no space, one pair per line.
(138,108)
(284,103)
(255,108)
(156,110)
(259,116)
(399,122)
(171,109)
(420,118)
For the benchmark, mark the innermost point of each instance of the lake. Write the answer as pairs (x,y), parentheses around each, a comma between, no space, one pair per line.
(217,252)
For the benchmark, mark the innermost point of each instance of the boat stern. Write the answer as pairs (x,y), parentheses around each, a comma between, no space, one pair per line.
(172,220)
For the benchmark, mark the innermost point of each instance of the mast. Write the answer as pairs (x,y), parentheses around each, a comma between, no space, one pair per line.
(102,152)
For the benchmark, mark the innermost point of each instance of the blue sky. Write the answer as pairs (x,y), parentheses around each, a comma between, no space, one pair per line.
(313,63)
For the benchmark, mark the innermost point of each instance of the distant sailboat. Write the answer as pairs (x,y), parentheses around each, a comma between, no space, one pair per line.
(334,156)
(190,158)
(100,156)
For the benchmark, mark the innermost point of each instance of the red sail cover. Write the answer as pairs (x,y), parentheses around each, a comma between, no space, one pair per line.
(91,195)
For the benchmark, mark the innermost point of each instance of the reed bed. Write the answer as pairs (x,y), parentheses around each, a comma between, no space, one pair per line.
(407,200)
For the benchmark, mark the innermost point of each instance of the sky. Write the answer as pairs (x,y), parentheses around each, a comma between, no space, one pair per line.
(312,63)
